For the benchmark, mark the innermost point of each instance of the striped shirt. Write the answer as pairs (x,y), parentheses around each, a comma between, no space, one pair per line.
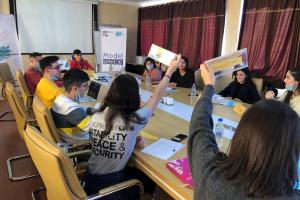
(71,118)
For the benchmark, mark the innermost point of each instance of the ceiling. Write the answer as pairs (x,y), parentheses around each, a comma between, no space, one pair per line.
(140,3)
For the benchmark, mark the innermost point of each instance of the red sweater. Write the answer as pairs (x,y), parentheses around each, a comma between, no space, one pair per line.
(83,64)
(32,78)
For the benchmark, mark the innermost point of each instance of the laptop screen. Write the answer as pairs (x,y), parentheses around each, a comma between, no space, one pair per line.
(94,89)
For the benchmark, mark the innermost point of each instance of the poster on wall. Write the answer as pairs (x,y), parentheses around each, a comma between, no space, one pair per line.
(112,49)
(9,44)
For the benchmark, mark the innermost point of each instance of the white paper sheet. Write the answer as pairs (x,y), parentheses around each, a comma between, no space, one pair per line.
(228,63)
(160,54)
(163,148)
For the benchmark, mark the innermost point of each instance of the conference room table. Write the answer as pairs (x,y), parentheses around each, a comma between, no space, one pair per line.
(167,125)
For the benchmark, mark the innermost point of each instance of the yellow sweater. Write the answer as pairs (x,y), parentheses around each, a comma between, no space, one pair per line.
(47,91)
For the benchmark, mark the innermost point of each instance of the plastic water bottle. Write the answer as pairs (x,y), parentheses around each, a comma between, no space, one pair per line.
(148,80)
(193,91)
(219,131)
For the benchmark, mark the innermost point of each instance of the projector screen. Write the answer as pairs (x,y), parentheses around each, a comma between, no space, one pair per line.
(55,26)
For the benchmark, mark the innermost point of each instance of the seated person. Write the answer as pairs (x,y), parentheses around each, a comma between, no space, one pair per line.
(242,87)
(68,115)
(33,73)
(46,89)
(262,161)
(268,86)
(291,96)
(153,72)
(78,62)
(114,131)
(183,77)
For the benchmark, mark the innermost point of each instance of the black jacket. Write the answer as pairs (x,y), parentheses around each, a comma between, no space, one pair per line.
(246,92)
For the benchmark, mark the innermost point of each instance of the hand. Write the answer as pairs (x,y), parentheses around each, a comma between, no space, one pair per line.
(270,95)
(139,141)
(207,75)
(172,84)
(173,65)
(142,104)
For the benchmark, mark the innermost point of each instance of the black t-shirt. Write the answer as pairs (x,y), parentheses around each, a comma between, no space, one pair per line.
(186,81)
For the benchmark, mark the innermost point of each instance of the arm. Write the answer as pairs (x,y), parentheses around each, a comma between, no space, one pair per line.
(225,92)
(160,89)
(173,82)
(202,145)
(72,64)
(79,118)
(191,80)
(254,96)
(88,65)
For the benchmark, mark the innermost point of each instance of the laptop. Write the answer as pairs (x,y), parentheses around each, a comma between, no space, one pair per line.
(92,94)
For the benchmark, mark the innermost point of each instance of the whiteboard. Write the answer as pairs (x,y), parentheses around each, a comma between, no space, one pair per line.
(56,26)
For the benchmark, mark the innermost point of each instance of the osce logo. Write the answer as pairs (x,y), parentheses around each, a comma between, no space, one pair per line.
(5,52)
(119,33)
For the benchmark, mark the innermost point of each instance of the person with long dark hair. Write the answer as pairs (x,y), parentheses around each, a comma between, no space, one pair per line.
(151,69)
(115,127)
(291,96)
(262,161)
(184,76)
(241,87)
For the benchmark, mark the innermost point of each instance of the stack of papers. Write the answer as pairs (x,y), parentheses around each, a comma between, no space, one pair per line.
(163,148)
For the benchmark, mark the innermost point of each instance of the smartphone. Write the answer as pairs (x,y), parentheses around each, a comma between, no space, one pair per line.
(179,138)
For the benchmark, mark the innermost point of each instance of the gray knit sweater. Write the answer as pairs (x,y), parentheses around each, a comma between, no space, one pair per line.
(202,148)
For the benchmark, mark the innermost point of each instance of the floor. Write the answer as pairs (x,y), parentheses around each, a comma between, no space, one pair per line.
(11,145)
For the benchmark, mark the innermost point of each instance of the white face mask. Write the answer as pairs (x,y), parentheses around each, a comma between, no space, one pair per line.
(78,96)
(291,88)
(150,67)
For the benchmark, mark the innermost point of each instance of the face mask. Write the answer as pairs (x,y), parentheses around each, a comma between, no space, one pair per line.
(38,66)
(77,98)
(291,88)
(150,67)
(54,78)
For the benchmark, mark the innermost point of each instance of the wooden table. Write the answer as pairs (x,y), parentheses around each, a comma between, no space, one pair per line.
(166,125)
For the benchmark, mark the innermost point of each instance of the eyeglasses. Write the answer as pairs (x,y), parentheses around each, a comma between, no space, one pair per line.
(85,85)
(56,67)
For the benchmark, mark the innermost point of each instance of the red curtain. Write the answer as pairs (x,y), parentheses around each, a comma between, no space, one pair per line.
(271,33)
(192,28)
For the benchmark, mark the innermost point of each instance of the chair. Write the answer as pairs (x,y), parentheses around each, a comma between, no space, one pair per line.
(27,97)
(22,119)
(258,82)
(5,76)
(49,130)
(57,172)
(45,121)
(198,80)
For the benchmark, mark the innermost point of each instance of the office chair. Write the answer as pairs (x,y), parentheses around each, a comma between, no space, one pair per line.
(27,97)
(57,172)
(22,119)
(5,76)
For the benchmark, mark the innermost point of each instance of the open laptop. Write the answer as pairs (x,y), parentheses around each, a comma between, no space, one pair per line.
(92,94)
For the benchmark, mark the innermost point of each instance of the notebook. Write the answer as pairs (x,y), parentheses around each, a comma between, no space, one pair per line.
(92,94)
(182,170)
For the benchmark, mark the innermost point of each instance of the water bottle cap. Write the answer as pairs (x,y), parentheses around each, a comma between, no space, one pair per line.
(220,119)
